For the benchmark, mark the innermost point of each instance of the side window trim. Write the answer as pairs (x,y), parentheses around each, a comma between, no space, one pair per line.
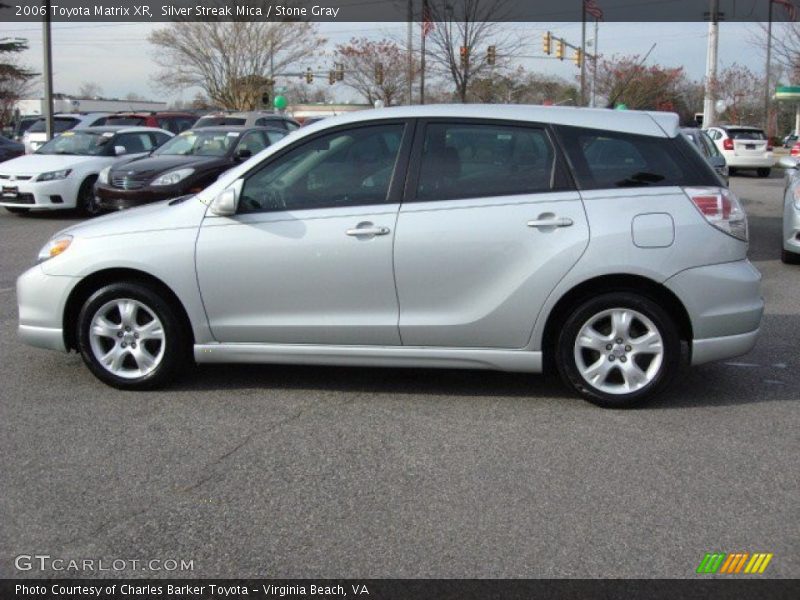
(560,181)
(396,182)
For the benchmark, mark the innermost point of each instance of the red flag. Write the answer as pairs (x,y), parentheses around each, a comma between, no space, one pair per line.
(427,19)
(592,8)
(790,9)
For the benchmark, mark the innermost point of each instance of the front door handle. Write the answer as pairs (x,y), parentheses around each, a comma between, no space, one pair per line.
(367,229)
(551,222)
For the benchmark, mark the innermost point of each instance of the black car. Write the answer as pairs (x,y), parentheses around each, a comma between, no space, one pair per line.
(10,149)
(186,164)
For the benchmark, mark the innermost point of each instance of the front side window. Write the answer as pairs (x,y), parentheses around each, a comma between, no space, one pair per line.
(252,142)
(135,142)
(346,168)
(607,159)
(474,160)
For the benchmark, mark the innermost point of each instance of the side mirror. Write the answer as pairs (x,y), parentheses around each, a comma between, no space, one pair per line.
(243,154)
(787,162)
(119,150)
(224,205)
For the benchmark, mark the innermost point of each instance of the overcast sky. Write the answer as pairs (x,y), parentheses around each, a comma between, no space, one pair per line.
(117,56)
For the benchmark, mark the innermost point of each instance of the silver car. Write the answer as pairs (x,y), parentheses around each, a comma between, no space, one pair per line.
(790,253)
(591,242)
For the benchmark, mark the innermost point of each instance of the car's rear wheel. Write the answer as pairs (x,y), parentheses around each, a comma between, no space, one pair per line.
(618,349)
(87,203)
(131,338)
(790,258)
(731,170)
(16,210)
(763,172)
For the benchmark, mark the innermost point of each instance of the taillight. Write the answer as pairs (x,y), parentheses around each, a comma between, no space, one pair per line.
(769,147)
(795,150)
(721,208)
(727,143)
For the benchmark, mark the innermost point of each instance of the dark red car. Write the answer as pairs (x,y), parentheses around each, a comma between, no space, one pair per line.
(175,122)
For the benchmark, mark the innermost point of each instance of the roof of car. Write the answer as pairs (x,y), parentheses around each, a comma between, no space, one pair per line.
(246,113)
(227,128)
(121,129)
(657,124)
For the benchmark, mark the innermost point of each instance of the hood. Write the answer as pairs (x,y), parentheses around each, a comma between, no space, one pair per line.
(164,215)
(33,164)
(151,166)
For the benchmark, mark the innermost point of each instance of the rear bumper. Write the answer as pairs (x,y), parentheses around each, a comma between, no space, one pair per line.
(750,162)
(719,348)
(725,306)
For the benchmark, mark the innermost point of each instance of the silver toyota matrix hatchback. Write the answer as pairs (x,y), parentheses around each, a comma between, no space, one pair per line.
(596,243)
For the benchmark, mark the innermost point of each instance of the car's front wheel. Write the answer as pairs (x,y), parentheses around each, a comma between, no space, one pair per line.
(87,203)
(618,349)
(131,338)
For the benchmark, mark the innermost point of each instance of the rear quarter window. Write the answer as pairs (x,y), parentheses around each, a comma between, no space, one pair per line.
(605,159)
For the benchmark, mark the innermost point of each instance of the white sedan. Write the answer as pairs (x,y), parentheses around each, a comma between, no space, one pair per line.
(61,174)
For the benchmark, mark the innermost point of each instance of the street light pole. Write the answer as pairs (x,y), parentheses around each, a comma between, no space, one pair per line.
(48,73)
(709,108)
(767,70)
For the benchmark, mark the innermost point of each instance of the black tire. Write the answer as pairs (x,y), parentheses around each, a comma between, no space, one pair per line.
(731,170)
(763,172)
(87,203)
(16,210)
(790,258)
(175,347)
(580,316)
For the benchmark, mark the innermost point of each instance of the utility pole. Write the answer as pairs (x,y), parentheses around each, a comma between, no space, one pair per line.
(767,70)
(583,53)
(410,44)
(709,108)
(48,73)
(594,64)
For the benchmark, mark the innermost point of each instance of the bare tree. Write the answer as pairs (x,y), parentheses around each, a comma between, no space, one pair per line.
(90,89)
(15,79)
(133,97)
(375,69)
(301,92)
(231,62)
(785,45)
(468,26)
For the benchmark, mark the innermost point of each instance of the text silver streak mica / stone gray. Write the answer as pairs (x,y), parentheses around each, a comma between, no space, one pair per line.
(506,237)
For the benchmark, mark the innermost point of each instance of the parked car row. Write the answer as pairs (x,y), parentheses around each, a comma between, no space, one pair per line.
(31,130)
(118,166)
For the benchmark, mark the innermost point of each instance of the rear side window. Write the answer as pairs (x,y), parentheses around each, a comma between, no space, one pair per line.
(606,159)
(461,160)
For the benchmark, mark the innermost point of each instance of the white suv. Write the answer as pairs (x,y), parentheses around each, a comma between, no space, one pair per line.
(36,135)
(744,148)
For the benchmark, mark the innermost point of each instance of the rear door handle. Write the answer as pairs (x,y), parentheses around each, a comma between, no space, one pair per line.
(367,231)
(551,222)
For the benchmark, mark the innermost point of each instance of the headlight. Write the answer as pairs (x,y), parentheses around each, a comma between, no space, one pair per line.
(54,247)
(172,177)
(51,175)
(102,176)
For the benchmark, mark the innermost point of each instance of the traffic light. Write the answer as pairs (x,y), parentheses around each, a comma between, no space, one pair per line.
(491,55)
(309,75)
(331,77)
(339,71)
(561,49)
(547,43)
(577,58)
(379,74)
(464,52)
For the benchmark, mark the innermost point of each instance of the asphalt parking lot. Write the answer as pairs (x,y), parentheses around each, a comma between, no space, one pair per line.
(274,471)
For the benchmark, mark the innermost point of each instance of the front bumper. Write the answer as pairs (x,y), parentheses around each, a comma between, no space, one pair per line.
(39,194)
(112,198)
(725,307)
(41,299)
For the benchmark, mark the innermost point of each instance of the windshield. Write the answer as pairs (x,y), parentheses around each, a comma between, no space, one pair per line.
(59,125)
(200,143)
(84,143)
